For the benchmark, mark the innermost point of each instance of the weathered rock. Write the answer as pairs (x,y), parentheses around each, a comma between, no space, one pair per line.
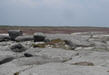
(4,38)
(64,69)
(39,37)
(18,47)
(24,38)
(100,46)
(14,33)
(11,68)
(97,58)
(61,54)
(38,60)
(79,41)
(5,59)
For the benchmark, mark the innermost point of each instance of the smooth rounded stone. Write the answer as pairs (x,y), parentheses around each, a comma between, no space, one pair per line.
(62,54)
(4,37)
(39,37)
(18,48)
(14,33)
(97,58)
(5,59)
(24,38)
(65,69)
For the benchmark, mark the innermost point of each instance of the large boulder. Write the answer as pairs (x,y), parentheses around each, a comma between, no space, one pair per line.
(39,37)
(4,38)
(14,33)
(24,38)
(17,47)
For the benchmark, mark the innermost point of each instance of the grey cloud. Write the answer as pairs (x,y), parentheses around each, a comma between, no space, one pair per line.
(55,12)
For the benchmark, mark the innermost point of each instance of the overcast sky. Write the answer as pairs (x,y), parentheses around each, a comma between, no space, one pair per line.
(54,12)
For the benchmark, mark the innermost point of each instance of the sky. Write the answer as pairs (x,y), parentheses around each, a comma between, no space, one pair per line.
(55,12)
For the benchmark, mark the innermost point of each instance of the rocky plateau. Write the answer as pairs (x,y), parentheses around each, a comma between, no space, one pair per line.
(79,53)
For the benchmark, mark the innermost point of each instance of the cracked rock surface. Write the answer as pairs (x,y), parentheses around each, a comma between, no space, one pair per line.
(86,54)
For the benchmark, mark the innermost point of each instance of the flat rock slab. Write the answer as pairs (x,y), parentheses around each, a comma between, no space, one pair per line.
(10,68)
(97,58)
(58,53)
(38,60)
(65,69)
(58,36)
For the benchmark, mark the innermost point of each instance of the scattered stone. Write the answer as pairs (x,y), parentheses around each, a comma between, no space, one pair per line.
(39,37)
(28,55)
(17,48)
(14,33)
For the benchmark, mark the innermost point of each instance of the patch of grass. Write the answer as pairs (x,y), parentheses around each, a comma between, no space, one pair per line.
(39,45)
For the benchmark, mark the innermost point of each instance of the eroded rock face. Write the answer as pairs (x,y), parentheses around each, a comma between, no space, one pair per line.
(14,33)
(17,48)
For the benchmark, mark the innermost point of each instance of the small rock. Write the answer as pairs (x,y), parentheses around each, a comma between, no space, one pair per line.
(28,55)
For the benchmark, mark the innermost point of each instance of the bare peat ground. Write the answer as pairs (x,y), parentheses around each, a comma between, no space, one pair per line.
(46,29)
